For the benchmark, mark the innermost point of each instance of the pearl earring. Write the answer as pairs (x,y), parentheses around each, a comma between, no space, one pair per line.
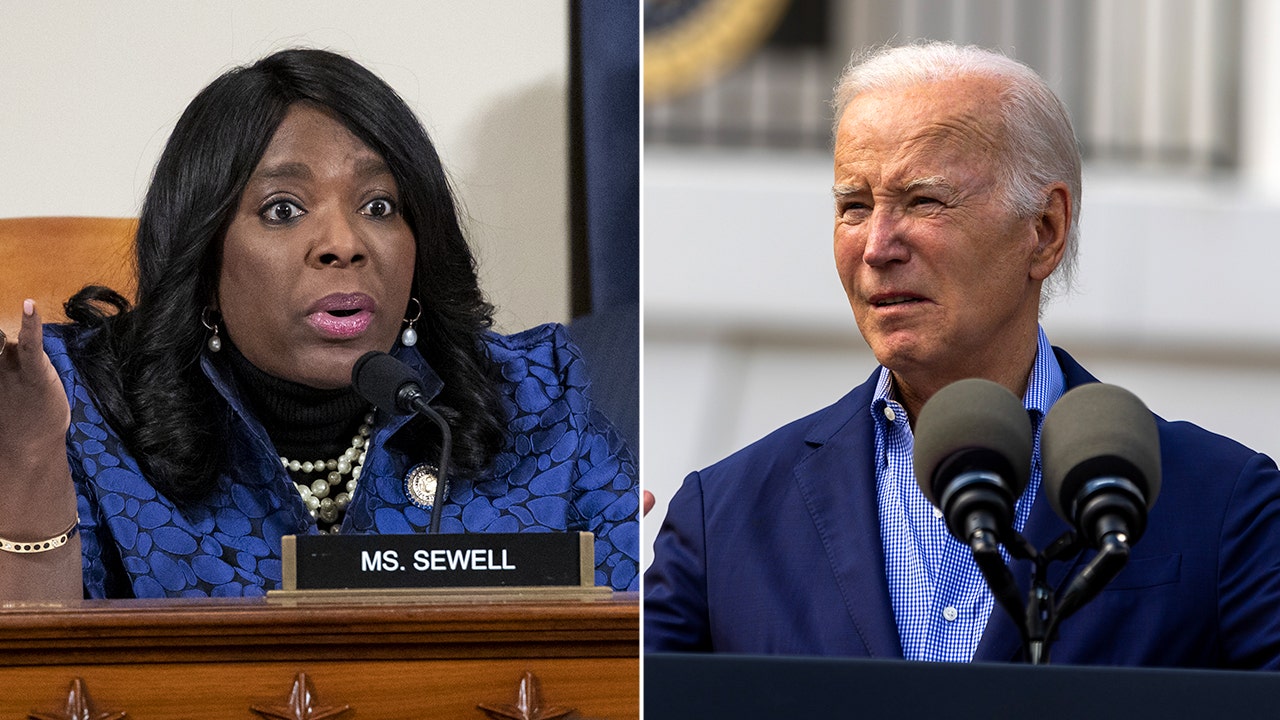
(206,318)
(409,337)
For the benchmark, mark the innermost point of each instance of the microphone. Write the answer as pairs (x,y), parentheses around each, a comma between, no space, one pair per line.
(1101,453)
(392,386)
(973,457)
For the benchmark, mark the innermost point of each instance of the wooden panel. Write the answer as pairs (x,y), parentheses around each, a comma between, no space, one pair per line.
(379,689)
(216,659)
(51,258)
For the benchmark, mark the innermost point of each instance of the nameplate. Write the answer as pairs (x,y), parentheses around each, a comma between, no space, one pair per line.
(377,562)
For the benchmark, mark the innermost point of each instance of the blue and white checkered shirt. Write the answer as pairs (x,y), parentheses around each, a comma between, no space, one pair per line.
(940,601)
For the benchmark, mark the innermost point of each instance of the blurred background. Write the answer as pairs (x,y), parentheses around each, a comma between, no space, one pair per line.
(1176,104)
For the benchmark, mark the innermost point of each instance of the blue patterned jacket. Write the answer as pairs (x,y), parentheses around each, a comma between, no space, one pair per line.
(562,467)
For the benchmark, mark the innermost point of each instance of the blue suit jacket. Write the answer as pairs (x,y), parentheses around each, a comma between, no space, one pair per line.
(777,550)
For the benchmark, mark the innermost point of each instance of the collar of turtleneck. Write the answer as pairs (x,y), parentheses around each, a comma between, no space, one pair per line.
(302,421)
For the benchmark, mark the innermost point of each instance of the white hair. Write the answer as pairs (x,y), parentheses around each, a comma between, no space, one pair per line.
(1042,147)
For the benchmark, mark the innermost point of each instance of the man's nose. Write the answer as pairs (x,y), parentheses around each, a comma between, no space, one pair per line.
(885,241)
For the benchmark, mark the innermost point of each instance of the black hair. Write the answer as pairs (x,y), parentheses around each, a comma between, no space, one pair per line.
(142,363)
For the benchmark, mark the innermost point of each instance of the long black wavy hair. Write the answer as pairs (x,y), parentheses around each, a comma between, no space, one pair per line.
(143,362)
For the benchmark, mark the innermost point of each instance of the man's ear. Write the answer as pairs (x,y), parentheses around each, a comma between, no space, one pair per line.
(1052,227)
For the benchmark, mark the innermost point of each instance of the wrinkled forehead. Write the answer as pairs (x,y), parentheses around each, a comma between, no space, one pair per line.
(924,125)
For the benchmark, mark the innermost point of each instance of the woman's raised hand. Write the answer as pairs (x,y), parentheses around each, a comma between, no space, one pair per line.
(34,414)
(39,498)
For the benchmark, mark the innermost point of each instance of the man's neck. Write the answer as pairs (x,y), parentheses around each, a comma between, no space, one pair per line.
(913,388)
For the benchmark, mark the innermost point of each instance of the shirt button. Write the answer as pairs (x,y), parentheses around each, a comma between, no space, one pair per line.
(937,513)
(950,613)
(889,414)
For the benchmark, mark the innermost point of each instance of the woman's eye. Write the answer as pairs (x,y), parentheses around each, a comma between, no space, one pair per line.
(382,207)
(281,211)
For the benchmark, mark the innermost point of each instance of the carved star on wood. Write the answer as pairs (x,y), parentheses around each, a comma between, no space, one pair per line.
(301,704)
(528,704)
(79,707)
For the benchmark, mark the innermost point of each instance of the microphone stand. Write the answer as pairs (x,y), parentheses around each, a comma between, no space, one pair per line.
(394,388)
(411,395)
(1038,618)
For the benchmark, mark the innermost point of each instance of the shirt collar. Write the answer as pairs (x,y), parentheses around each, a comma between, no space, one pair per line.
(1044,386)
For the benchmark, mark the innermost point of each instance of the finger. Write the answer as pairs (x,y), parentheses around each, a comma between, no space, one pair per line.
(30,337)
(30,340)
(649,500)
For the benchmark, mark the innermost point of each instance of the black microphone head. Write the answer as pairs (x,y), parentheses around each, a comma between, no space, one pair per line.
(1099,431)
(378,378)
(968,425)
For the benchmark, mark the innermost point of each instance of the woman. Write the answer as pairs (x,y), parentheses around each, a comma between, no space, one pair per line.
(298,218)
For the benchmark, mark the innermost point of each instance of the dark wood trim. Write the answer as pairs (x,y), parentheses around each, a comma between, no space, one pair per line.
(384,659)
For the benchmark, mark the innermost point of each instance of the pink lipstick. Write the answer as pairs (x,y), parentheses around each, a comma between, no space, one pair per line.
(342,315)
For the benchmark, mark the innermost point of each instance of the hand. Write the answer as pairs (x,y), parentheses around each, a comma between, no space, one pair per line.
(40,500)
(34,413)
(648,502)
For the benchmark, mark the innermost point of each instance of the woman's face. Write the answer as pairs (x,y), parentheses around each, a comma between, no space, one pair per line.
(317,264)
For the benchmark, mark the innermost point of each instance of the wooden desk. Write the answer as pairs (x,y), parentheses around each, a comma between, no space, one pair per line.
(383,658)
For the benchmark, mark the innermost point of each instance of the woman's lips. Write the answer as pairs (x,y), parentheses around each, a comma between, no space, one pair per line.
(342,315)
(341,326)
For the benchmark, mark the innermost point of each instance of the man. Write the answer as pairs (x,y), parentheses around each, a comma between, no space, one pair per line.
(957,190)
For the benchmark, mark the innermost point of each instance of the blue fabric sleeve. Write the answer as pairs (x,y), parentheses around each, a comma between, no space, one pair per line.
(675,603)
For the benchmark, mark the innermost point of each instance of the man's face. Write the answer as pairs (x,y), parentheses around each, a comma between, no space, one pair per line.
(943,278)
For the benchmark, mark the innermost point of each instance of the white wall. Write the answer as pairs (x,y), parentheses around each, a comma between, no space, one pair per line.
(89,92)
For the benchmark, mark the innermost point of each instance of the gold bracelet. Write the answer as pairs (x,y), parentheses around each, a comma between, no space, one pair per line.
(24,548)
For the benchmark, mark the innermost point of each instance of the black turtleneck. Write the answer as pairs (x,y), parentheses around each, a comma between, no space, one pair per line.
(304,423)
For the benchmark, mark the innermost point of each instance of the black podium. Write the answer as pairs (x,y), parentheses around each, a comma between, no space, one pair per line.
(707,687)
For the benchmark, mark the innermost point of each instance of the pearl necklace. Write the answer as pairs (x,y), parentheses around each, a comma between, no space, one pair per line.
(324,498)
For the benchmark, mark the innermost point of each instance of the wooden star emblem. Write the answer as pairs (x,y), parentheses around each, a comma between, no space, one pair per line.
(79,707)
(528,704)
(301,704)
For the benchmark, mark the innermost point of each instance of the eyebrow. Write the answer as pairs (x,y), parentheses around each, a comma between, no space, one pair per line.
(288,171)
(844,190)
(371,166)
(933,181)
(366,167)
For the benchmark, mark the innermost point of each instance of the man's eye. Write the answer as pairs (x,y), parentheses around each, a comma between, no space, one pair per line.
(281,211)
(382,207)
(924,200)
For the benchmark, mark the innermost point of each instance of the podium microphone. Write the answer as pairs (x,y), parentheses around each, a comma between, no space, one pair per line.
(392,387)
(972,460)
(973,457)
(1100,450)
(1101,454)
